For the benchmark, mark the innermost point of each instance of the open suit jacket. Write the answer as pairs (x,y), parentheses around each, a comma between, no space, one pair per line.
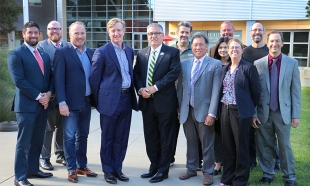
(70,77)
(106,79)
(28,78)
(289,89)
(166,72)
(206,89)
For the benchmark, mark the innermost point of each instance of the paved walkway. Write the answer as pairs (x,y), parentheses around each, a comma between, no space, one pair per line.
(135,164)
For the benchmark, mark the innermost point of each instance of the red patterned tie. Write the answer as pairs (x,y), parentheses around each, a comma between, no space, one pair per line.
(39,60)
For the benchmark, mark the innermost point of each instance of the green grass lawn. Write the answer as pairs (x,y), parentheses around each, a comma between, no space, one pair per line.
(300,140)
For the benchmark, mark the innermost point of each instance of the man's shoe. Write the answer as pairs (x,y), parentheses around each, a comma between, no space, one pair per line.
(265,180)
(187,174)
(109,178)
(119,175)
(22,183)
(72,177)
(171,164)
(277,168)
(62,161)
(86,171)
(290,183)
(252,165)
(46,164)
(149,174)
(208,179)
(40,174)
(158,177)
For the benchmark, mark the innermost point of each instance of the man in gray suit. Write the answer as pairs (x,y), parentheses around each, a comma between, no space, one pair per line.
(54,120)
(198,94)
(279,109)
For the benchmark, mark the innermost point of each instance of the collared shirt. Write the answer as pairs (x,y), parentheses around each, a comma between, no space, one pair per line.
(123,62)
(186,54)
(86,66)
(195,63)
(229,96)
(150,59)
(55,43)
(270,62)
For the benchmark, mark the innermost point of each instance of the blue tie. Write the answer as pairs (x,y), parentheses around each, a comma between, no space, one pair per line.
(274,104)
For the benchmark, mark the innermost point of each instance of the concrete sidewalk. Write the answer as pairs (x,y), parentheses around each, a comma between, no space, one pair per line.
(136,161)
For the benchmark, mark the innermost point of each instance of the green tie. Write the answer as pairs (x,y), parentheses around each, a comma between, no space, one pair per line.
(151,69)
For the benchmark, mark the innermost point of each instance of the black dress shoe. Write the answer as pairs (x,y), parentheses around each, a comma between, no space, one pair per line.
(265,180)
(119,175)
(46,164)
(158,177)
(149,174)
(290,183)
(109,178)
(22,183)
(62,161)
(40,174)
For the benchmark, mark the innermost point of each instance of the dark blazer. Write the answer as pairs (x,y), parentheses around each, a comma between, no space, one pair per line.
(166,72)
(247,88)
(106,79)
(28,78)
(70,80)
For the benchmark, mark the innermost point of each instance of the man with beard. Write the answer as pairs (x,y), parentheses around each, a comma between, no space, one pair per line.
(227,29)
(54,125)
(257,50)
(72,65)
(31,72)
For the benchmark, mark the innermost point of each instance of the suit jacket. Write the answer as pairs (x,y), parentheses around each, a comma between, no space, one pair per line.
(166,72)
(50,49)
(28,78)
(247,88)
(289,89)
(206,88)
(106,79)
(70,80)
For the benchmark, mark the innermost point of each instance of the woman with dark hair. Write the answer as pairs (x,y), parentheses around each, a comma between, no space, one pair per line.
(240,93)
(220,53)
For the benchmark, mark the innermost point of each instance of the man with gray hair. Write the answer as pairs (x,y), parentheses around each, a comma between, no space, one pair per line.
(156,70)
(198,95)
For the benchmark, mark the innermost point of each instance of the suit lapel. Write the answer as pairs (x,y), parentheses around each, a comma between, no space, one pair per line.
(266,69)
(74,55)
(189,71)
(161,55)
(113,56)
(129,59)
(282,69)
(204,65)
(146,54)
(44,61)
(34,60)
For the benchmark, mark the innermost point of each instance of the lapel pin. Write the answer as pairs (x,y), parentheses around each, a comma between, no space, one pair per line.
(161,53)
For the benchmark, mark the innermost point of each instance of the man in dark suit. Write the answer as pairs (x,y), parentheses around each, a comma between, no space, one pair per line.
(156,70)
(278,109)
(30,70)
(111,82)
(54,125)
(72,66)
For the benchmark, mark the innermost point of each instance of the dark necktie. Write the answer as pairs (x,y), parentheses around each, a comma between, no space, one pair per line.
(39,60)
(274,104)
(151,69)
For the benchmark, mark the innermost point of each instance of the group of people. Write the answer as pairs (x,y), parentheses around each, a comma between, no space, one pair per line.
(217,98)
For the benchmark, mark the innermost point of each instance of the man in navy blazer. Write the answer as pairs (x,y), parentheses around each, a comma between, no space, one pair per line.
(158,100)
(111,82)
(34,87)
(72,65)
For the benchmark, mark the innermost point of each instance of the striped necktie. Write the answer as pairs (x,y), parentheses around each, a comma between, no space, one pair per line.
(193,81)
(151,69)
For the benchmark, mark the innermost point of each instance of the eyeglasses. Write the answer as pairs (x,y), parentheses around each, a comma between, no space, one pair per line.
(255,30)
(234,48)
(154,33)
(54,29)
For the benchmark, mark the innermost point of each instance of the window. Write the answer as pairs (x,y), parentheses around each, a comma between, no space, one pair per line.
(35,2)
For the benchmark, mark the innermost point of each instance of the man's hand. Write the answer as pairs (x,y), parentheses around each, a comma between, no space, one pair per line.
(151,89)
(209,120)
(144,93)
(295,122)
(64,110)
(45,98)
(255,122)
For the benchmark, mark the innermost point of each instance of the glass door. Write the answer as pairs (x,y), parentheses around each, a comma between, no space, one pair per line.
(139,41)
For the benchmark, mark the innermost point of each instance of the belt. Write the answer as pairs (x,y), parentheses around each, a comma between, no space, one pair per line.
(125,90)
(230,106)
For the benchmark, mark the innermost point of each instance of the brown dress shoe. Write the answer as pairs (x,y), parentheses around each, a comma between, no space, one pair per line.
(86,171)
(187,175)
(208,180)
(72,177)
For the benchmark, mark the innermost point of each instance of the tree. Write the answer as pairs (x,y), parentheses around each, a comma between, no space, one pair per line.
(308,9)
(9,12)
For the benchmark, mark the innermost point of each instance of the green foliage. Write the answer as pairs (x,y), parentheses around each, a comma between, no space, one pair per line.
(308,9)
(7,89)
(9,12)
(300,143)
